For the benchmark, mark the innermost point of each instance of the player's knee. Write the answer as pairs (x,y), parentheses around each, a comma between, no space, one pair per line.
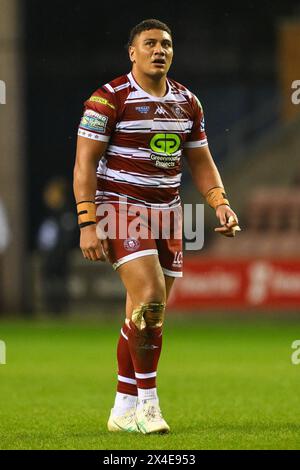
(150,315)
(153,292)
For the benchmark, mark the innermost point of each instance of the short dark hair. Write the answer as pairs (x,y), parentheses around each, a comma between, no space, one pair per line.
(145,25)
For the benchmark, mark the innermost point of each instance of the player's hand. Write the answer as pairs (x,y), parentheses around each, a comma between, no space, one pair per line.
(92,248)
(228,221)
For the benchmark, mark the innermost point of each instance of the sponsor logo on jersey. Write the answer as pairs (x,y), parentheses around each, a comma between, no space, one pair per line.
(131,244)
(143,109)
(162,161)
(165,143)
(164,147)
(93,121)
(99,99)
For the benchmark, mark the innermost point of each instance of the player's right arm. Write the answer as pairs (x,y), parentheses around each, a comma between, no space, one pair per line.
(95,128)
(88,154)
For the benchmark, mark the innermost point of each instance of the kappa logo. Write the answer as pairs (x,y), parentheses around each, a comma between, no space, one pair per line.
(160,110)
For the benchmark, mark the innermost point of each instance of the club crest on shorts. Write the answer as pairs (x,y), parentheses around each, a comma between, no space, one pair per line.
(131,244)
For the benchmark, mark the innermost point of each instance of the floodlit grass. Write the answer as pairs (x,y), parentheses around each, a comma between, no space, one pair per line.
(222,385)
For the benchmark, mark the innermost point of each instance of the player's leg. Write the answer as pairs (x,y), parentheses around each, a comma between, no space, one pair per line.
(145,284)
(144,271)
(126,395)
(147,288)
(169,281)
(122,416)
(146,333)
(126,375)
(145,312)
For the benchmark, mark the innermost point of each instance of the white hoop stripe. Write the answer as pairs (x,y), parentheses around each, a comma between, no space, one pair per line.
(126,380)
(172,273)
(132,256)
(145,376)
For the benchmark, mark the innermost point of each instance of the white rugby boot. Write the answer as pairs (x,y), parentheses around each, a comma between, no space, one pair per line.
(125,422)
(149,418)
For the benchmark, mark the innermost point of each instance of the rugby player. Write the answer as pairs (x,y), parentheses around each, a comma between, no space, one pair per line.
(131,139)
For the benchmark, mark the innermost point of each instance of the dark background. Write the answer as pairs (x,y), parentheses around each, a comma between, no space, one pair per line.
(225,52)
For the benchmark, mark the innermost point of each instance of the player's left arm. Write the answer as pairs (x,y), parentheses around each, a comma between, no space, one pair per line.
(208,181)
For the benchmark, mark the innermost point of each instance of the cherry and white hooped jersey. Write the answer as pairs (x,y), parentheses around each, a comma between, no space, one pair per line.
(146,137)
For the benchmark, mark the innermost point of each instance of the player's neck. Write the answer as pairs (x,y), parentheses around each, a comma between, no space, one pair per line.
(154,86)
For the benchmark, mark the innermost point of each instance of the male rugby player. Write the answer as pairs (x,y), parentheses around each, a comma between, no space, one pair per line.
(132,136)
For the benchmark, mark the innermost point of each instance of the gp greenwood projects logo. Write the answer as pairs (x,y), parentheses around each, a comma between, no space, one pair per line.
(2,92)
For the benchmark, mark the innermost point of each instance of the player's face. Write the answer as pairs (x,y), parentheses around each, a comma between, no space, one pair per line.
(152,52)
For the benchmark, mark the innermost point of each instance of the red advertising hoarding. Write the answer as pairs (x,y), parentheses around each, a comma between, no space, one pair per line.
(246,283)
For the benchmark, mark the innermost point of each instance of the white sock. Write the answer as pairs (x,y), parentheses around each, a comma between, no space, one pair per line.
(145,394)
(123,403)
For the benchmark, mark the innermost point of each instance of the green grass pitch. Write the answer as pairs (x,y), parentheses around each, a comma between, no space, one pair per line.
(223,384)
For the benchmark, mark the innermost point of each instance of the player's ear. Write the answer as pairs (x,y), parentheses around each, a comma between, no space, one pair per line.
(131,52)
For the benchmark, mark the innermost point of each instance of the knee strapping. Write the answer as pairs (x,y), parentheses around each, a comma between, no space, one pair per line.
(149,315)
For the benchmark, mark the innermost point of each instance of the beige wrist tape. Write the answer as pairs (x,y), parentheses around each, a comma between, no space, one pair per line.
(216,197)
(86,211)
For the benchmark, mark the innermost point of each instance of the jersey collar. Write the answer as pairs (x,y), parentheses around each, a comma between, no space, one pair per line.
(153,98)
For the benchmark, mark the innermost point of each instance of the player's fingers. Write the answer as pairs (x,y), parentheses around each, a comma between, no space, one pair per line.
(105,247)
(99,253)
(234,227)
(230,228)
(233,222)
(92,254)
(221,229)
(222,219)
(89,255)
(225,231)
(85,254)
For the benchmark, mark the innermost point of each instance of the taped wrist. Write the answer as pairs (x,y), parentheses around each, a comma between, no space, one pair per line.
(86,211)
(215,197)
(149,315)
